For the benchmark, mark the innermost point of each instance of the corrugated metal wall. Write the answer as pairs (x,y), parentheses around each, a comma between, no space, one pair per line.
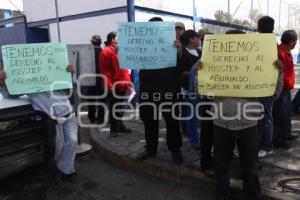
(13,35)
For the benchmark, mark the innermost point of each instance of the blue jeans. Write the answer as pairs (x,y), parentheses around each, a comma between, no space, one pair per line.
(136,82)
(296,102)
(265,125)
(59,108)
(191,124)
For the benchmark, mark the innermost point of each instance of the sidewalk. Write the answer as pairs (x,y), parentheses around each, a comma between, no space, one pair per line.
(122,150)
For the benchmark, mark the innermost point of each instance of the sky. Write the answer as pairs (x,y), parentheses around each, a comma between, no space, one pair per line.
(11,4)
(207,8)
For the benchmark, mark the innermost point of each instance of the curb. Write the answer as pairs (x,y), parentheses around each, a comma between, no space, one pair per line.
(188,178)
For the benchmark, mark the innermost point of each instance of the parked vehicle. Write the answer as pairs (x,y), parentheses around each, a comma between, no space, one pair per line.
(26,136)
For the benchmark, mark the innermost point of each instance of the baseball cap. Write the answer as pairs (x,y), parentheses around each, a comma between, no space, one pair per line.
(179,24)
(96,38)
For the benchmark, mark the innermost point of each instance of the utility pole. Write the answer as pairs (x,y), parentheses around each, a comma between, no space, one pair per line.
(228,7)
(268,7)
(279,28)
(296,21)
(194,14)
(251,12)
(57,21)
(288,16)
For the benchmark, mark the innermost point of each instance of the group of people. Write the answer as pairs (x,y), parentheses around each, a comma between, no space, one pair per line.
(217,138)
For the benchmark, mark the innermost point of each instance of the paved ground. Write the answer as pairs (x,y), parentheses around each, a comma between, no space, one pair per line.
(103,181)
(97,180)
(285,164)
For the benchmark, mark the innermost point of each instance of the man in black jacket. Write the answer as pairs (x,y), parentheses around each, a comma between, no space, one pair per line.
(160,87)
(96,114)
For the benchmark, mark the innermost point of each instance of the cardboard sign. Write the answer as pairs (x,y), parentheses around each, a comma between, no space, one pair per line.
(146,45)
(82,57)
(39,67)
(238,65)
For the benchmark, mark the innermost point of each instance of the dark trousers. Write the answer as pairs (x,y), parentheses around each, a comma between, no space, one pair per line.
(114,117)
(282,116)
(149,115)
(206,138)
(247,143)
(296,102)
(265,125)
(96,113)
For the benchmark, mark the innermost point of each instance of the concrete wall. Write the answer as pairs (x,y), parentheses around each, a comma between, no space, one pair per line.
(80,31)
(141,16)
(77,31)
(72,7)
(37,10)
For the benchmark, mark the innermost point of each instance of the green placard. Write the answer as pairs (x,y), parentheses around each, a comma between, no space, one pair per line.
(38,67)
(147,45)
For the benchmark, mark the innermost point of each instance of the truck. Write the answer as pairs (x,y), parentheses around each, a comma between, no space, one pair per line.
(26,136)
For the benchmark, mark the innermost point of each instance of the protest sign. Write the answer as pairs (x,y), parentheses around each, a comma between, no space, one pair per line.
(146,45)
(238,65)
(34,68)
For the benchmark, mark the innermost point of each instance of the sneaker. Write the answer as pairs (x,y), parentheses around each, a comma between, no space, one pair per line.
(263,153)
(177,158)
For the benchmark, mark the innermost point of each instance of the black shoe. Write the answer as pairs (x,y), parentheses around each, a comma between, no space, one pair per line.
(292,137)
(59,177)
(92,119)
(113,133)
(195,146)
(282,145)
(207,164)
(177,158)
(123,129)
(72,178)
(100,121)
(145,155)
(184,133)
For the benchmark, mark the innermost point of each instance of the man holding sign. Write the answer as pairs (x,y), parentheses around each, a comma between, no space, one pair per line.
(37,70)
(149,47)
(238,70)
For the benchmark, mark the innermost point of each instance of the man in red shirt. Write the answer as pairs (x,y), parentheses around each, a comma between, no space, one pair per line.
(282,110)
(110,68)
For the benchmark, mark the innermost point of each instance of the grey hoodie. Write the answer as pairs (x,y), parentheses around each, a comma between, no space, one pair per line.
(241,113)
